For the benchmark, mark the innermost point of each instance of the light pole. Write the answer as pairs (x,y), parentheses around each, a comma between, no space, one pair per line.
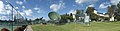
(13,8)
(11,14)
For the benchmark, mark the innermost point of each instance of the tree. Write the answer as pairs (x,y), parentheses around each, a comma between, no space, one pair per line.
(71,14)
(111,10)
(78,11)
(118,12)
(90,12)
(118,5)
(78,14)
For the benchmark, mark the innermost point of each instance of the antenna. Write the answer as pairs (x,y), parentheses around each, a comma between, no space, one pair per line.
(54,16)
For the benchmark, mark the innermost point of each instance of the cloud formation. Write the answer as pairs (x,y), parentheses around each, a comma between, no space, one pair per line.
(72,11)
(36,8)
(104,5)
(5,9)
(19,2)
(39,10)
(23,7)
(28,12)
(1,7)
(4,17)
(114,2)
(85,1)
(56,7)
(92,5)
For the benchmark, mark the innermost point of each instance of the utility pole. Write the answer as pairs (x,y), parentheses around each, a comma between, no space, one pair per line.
(11,14)
(18,13)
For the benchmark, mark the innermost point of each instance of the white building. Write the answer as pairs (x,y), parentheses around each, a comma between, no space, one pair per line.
(104,15)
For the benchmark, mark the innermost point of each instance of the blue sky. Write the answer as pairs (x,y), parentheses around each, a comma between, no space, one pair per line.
(40,8)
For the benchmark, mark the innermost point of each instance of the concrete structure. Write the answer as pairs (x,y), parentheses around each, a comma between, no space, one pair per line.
(78,17)
(104,15)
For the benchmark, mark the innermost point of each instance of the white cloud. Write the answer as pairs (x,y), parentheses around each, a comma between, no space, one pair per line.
(18,13)
(5,9)
(28,12)
(85,1)
(39,10)
(4,17)
(104,5)
(1,7)
(72,11)
(23,7)
(8,7)
(16,8)
(114,2)
(36,8)
(92,5)
(23,14)
(56,7)
(8,12)
(19,2)
(24,0)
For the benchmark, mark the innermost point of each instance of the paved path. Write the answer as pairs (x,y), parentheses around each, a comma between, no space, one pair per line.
(28,28)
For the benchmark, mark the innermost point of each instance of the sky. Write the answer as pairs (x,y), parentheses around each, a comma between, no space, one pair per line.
(32,9)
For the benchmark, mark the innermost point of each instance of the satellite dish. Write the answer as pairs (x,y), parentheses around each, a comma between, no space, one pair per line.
(54,16)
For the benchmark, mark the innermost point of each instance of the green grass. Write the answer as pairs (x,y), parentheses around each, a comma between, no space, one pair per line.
(94,26)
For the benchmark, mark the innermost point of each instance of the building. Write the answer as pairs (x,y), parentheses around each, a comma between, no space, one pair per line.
(78,15)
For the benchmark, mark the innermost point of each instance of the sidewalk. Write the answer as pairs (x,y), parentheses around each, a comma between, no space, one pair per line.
(28,28)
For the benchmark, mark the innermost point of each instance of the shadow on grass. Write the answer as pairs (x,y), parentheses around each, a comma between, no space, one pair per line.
(118,30)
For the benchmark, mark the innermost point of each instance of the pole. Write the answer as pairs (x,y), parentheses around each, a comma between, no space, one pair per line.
(12,19)
(13,8)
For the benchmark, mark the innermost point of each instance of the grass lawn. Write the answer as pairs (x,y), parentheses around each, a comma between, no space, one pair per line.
(94,26)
